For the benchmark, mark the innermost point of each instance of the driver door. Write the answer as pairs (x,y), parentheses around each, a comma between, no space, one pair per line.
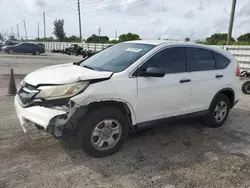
(162,97)
(20,48)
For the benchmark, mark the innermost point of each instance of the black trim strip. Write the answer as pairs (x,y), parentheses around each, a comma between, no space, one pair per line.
(148,124)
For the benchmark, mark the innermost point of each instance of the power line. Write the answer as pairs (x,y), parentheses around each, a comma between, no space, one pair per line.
(113,8)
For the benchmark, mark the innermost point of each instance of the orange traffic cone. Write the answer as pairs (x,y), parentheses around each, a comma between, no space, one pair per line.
(12,84)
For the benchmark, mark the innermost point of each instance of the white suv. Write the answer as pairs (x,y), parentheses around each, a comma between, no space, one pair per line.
(129,86)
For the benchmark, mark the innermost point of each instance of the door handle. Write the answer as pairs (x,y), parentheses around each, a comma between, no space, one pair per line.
(219,76)
(185,80)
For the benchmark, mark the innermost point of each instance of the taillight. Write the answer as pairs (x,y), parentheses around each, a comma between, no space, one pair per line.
(238,71)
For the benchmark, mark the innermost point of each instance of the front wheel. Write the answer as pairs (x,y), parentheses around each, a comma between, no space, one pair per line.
(103,132)
(11,51)
(37,52)
(246,88)
(218,111)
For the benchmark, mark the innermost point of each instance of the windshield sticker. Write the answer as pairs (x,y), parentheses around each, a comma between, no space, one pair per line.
(133,50)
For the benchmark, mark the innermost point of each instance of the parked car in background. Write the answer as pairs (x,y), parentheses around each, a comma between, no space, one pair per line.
(24,48)
(129,86)
(7,43)
(41,44)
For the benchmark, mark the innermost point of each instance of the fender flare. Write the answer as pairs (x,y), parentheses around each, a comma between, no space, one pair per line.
(130,107)
(219,92)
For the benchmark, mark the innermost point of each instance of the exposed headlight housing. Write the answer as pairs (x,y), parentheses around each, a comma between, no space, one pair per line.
(20,85)
(61,91)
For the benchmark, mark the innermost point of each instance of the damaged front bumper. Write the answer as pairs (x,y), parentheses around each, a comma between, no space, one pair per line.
(52,120)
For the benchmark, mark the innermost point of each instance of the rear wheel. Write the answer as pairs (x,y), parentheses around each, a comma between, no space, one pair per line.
(246,88)
(37,52)
(103,132)
(11,51)
(218,111)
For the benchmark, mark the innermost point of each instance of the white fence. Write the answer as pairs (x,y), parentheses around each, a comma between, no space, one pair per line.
(62,45)
(241,53)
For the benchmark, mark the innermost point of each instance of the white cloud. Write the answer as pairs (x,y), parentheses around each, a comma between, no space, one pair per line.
(149,18)
(189,14)
(35,5)
(201,7)
(221,24)
(245,10)
(155,21)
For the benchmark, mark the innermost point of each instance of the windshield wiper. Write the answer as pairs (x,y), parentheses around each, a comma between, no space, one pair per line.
(88,67)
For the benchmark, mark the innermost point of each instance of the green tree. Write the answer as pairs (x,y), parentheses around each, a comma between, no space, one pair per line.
(59,30)
(187,39)
(50,39)
(217,38)
(12,38)
(114,41)
(1,37)
(72,38)
(128,37)
(198,41)
(96,39)
(245,37)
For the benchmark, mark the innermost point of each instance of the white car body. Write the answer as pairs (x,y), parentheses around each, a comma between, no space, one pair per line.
(147,98)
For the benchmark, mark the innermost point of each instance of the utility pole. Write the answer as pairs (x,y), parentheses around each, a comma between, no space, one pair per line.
(17,28)
(24,24)
(12,31)
(99,33)
(44,25)
(79,15)
(38,32)
(115,34)
(230,28)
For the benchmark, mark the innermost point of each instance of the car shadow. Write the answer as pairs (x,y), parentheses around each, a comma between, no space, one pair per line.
(167,147)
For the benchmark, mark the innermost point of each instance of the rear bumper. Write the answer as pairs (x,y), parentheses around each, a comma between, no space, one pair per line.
(36,115)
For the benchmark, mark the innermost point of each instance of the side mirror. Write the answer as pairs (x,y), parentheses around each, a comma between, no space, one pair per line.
(152,72)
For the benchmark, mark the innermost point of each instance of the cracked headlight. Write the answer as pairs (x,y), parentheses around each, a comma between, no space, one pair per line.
(61,91)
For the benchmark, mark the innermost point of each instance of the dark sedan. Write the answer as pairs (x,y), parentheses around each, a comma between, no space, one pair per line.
(24,48)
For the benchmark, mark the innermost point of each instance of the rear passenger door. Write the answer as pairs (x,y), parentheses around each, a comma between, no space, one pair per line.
(30,48)
(206,79)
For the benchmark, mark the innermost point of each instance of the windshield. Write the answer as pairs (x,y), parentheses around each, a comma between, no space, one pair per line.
(117,58)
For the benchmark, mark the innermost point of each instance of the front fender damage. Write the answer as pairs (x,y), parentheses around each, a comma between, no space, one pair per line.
(58,123)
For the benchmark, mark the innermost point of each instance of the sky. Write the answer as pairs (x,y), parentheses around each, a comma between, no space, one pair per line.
(151,19)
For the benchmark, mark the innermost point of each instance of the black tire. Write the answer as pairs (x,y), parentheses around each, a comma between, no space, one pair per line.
(210,119)
(11,51)
(246,87)
(91,120)
(37,52)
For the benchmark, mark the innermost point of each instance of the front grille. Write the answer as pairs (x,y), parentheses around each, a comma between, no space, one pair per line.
(27,93)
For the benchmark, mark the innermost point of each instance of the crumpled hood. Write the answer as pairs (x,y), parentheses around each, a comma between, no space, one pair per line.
(64,74)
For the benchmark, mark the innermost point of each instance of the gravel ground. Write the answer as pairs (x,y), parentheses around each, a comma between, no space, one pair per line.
(184,154)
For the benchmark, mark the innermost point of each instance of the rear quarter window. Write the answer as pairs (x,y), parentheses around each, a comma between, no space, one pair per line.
(200,59)
(221,61)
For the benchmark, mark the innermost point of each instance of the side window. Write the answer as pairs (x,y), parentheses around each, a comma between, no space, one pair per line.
(172,60)
(200,59)
(221,61)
